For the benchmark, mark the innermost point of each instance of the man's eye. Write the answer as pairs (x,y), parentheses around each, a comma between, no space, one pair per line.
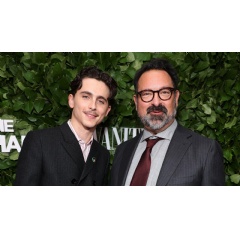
(101,102)
(165,92)
(146,93)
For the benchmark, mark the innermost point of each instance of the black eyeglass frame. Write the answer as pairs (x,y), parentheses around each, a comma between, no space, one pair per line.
(157,91)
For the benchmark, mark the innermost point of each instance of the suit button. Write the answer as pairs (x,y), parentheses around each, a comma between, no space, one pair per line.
(74,181)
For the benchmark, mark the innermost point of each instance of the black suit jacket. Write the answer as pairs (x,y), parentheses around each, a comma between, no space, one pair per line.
(191,159)
(54,157)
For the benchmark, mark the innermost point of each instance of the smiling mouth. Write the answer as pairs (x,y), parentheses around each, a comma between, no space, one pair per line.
(156,112)
(91,115)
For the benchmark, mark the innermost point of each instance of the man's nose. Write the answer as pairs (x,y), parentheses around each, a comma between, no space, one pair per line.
(156,99)
(92,104)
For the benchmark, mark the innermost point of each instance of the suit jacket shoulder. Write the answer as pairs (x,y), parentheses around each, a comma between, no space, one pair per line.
(192,159)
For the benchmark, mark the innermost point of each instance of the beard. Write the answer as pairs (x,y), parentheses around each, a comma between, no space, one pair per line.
(157,122)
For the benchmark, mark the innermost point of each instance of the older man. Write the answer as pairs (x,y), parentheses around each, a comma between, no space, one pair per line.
(165,153)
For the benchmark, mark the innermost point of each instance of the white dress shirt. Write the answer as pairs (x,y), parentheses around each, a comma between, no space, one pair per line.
(158,153)
(85,147)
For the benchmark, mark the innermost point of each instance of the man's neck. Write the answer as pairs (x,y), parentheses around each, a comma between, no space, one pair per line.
(83,133)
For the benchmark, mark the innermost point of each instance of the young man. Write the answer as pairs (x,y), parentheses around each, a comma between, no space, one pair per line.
(68,154)
(173,155)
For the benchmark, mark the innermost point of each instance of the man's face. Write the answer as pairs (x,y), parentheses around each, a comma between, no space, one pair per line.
(89,104)
(156,115)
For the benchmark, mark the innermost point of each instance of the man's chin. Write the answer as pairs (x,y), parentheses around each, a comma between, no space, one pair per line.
(90,126)
(157,126)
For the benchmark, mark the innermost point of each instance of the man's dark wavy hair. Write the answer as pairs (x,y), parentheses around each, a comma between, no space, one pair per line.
(157,64)
(94,72)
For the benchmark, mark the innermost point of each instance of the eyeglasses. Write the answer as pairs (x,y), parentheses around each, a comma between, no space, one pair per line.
(163,94)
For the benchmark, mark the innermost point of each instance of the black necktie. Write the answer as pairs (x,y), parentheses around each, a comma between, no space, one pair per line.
(142,171)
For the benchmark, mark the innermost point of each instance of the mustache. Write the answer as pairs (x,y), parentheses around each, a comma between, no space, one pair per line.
(160,108)
(91,112)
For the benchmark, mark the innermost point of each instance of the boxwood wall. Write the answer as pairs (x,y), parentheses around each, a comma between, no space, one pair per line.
(34,86)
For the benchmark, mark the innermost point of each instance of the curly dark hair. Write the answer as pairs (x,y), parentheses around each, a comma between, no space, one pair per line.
(94,72)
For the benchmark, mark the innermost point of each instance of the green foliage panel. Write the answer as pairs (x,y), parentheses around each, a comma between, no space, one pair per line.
(34,89)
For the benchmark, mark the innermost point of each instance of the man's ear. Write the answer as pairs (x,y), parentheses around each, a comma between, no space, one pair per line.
(177,94)
(108,110)
(71,101)
(135,100)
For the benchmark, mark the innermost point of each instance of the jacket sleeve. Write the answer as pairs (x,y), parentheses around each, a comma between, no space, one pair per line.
(213,173)
(114,173)
(29,164)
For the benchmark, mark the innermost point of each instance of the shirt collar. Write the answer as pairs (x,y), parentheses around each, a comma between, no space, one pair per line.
(78,138)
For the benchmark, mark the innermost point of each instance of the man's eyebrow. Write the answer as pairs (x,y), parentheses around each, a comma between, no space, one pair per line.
(162,88)
(89,93)
(86,92)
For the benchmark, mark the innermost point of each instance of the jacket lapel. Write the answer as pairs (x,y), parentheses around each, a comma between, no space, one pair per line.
(127,158)
(71,145)
(177,148)
(91,160)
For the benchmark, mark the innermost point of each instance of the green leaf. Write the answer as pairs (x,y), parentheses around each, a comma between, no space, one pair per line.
(207,110)
(203,56)
(39,57)
(192,104)
(18,105)
(14,70)
(184,114)
(200,127)
(126,112)
(230,124)
(29,76)
(142,56)
(2,64)
(28,107)
(14,155)
(4,165)
(21,86)
(136,64)
(130,57)
(26,57)
(235,178)
(237,85)
(225,97)
(58,56)
(21,125)
(30,93)
(63,84)
(5,96)
(56,71)
(131,72)
(2,74)
(39,105)
(202,65)
(227,153)
(211,119)
(121,84)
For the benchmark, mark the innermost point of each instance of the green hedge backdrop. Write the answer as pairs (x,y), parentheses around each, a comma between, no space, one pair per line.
(34,86)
